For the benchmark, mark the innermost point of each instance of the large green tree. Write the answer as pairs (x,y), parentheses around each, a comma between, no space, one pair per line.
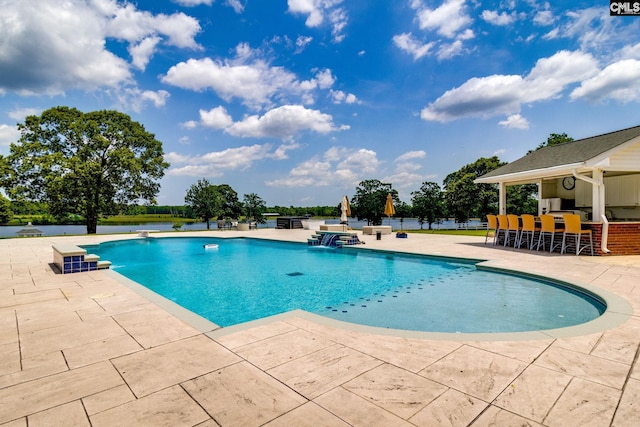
(369,200)
(207,201)
(204,200)
(87,163)
(231,206)
(464,198)
(254,207)
(428,203)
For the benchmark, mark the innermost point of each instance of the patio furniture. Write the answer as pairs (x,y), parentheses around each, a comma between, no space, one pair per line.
(548,229)
(513,230)
(573,229)
(492,227)
(503,227)
(528,230)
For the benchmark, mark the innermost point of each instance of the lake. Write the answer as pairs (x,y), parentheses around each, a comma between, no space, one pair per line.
(60,230)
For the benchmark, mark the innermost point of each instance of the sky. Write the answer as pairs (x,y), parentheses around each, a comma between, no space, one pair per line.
(299,101)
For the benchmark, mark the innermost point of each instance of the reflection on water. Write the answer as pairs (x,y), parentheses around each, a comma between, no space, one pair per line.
(59,230)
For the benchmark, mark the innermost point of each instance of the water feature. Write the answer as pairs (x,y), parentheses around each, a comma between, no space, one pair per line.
(329,239)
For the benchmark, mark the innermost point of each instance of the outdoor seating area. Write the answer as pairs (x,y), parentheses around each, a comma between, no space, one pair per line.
(566,234)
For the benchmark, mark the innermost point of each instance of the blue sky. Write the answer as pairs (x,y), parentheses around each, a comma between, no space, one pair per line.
(300,100)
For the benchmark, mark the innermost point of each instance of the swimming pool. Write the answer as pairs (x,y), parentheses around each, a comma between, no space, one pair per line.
(247,279)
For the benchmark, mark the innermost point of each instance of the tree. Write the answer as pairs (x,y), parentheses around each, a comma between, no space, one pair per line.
(254,208)
(428,203)
(205,200)
(5,210)
(464,198)
(553,139)
(368,203)
(89,163)
(231,206)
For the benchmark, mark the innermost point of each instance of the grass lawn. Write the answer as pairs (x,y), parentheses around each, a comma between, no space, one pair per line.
(453,232)
(141,219)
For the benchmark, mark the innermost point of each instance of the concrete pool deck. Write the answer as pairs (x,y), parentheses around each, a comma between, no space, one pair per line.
(84,349)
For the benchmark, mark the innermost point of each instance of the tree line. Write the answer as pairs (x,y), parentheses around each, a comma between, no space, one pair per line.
(102,163)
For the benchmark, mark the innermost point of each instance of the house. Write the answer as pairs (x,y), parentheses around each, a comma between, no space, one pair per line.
(598,177)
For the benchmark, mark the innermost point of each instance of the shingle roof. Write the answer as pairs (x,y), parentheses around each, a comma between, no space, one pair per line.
(567,153)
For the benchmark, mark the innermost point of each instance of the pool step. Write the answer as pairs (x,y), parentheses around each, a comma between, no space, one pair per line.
(74,259)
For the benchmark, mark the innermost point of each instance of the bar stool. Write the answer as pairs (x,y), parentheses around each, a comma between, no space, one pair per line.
(492,228)
(573,228)
(528,230)
(548,228)
(503,228)
(513,230)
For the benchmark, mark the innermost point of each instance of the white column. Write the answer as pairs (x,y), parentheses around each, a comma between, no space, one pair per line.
(598,207)
(539,196)
(502,195)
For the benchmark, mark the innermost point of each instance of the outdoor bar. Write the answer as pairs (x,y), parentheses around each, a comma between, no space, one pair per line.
(597,178)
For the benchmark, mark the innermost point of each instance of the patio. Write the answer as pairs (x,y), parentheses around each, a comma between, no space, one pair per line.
(84,349)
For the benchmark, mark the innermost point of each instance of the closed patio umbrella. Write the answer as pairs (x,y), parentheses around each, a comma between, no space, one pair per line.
(389,210)
(346,211)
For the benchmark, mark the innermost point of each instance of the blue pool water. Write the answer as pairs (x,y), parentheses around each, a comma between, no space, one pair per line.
(247,279)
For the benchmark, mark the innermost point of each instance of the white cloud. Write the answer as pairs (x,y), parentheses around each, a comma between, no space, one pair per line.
(325,79)
(280,153)
(447,20)
(339,20)
(142,52)
(59,46)
(215,163)
(591,28)
(133,25)
(8,134)
(449,50)
(408,43)
(450,20)
(504,94)
(630,52)
(216,118)
(236,5)
(411,155)
(619,81)
(190,124)
(339,97)
(339,167)
(544,18)
(515,121)
(21,113)
(317,10)
(253,81)
(495,18)
(283,122)
(135,99)
(191,3)
(302,42)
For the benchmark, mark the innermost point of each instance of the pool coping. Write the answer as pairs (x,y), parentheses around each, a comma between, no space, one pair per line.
(618,310)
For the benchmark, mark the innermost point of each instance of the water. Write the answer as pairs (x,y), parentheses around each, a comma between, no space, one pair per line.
(247,279)
(60,230)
